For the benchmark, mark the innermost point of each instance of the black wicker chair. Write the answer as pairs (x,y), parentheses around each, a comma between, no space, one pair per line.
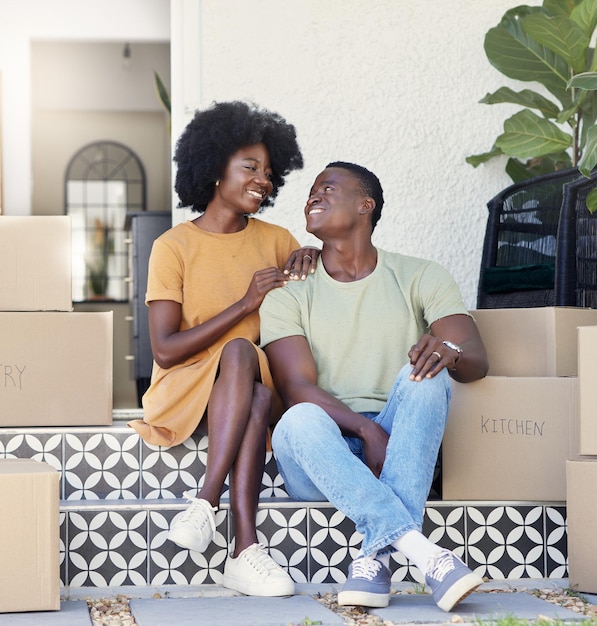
(518,267)
(576,258)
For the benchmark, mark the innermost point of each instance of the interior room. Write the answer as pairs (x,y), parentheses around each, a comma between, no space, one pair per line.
(86,95)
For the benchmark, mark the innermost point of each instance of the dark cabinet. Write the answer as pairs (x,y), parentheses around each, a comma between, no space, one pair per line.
(144,228)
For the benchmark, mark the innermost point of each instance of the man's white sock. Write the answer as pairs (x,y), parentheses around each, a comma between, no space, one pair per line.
(383,556)
(416,548)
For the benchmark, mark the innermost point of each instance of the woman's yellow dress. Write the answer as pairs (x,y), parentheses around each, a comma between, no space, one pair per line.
(206,273)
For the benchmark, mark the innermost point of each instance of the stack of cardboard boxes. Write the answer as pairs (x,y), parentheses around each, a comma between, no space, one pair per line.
(55,364)
(55,370)
(513,435)
(582,472)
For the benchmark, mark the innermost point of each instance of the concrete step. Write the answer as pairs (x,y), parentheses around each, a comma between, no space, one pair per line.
(119,494)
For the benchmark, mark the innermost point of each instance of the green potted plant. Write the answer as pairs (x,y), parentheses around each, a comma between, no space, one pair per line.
(163,96)
(98,260)
(549,45)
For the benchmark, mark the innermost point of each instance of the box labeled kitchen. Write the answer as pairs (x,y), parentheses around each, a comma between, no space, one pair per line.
(508,438)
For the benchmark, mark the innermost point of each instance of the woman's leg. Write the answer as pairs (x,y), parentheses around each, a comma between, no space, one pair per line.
(237,420)
(247,471)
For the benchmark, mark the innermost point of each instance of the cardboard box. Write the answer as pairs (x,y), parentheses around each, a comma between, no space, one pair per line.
(533,342)
(509,438)
(55,369)
(581,511)
(35,263)
(29,536)
(587,380)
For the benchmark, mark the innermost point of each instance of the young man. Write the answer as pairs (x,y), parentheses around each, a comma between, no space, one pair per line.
(362,353)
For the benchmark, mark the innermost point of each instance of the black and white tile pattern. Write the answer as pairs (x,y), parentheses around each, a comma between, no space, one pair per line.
(313,541)
(120,494)
(101,466)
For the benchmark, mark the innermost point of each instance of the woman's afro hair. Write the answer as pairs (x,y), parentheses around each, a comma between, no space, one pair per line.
(215,134)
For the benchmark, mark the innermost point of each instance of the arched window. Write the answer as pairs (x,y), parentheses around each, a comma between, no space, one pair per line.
(103,181)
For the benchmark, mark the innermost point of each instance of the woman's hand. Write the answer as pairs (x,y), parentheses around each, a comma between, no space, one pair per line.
(262,282)
(301,262)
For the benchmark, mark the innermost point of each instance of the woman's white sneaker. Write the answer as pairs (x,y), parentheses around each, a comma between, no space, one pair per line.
(195,527)
(254,573)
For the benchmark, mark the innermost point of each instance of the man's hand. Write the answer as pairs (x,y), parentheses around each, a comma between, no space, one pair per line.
(375,442)
(429,356)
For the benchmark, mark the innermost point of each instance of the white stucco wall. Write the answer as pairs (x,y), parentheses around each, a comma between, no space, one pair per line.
(390,84)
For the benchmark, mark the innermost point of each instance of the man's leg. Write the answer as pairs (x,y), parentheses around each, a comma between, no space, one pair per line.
(317,463)
(415,416)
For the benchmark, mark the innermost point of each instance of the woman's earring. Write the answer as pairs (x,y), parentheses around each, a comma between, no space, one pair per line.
(217,183)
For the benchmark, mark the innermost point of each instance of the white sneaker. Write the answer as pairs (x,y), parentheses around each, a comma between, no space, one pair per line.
(254,573)
(195,527)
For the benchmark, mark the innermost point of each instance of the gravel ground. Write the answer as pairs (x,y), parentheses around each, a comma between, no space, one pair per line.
(115,611)
(111,611)
(356,616)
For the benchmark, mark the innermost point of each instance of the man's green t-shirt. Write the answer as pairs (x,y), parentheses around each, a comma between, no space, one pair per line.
(360,332)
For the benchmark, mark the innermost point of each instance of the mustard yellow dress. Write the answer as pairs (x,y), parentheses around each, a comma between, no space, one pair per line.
(206,273)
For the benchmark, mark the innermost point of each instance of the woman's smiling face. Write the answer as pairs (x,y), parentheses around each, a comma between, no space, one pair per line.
(246,181)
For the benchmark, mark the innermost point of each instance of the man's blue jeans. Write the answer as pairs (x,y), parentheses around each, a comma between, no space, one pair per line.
(318,463)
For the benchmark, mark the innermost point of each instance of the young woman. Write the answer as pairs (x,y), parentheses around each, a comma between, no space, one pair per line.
(207,278)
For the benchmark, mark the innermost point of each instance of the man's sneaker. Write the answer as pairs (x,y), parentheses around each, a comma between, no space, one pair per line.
(368,584)
(450,579)
(195,527)
(254,573)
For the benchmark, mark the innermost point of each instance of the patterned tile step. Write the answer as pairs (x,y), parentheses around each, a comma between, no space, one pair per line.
(113,462)
(119,495)
(121,542)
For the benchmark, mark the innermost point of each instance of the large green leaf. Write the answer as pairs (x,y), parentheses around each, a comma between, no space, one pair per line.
(591,200)
(476,159)
(589,117)
(162,92)
(525,98)
(568,115)
(585,15)
(589,156)
(583,106)
(527,135)
(561,35)
(560,7)
(514,53)
(586,80)
(517,170)
(555,161)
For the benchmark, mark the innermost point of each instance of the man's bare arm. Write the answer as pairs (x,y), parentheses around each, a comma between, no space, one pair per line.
(295,376)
